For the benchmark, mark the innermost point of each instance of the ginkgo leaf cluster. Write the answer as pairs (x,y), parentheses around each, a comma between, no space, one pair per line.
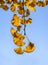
(17,38)
(29,3)
(20,22)
(28,49)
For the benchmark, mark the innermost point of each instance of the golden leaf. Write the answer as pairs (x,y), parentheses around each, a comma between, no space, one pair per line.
(27,3)
(46,2)
(15,1)
(15,39)
(8,1)
(43,4)
(29,21)
(20,36)
(18,50)
(29,48)
(33,1)
(15,4)
(15,22)
(13,31)
(32,8)
(21,4)
(12,8)
(32,4)
(26,21)
(23,21)
(39,3)
(2,1)
(20,43)
(5,7)
(15,17)
(26,0)
(21,11)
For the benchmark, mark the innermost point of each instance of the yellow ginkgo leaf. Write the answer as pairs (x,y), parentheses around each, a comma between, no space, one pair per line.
(46,2)
(32,8)
(15,22)
(32,4)
(5,7)
(29,21)
(27,3)
(23,21)
(20,36)
(15,17)
(15,39)
(17,35)
(39,3)
(12,8)
(2,1)
(33,1)
(15,1)
(21,3)
(43,4)
(29,48)
(13,31)
(15,4)
(26,0)
(20,43)
(21,11)
(18,50)
(8,1)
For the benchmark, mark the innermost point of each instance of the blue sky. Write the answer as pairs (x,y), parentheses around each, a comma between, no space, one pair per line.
(37,32)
